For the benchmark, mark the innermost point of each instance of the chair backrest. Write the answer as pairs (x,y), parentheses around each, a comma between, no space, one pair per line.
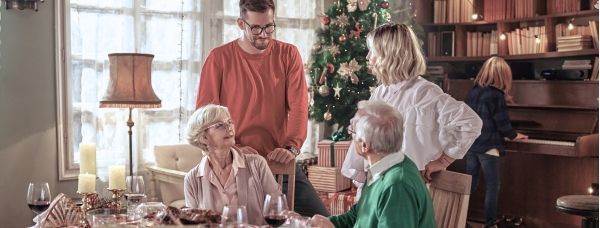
(450,193)
(179,157)
(280,170)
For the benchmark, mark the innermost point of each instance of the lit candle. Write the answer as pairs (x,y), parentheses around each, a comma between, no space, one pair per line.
(87,158)
(87,183)
(116,177)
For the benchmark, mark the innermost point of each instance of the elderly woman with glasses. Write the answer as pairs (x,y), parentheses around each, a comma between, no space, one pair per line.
(225,176)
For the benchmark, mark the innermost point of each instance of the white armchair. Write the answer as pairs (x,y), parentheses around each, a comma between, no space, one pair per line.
(172,163)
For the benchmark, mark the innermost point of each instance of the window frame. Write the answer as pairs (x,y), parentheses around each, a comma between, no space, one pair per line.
(214,22)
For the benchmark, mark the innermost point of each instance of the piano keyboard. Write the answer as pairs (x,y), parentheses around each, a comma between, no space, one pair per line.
(545,142)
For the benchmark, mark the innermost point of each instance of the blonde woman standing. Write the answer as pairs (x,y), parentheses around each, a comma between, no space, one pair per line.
(488,98)
(438,129)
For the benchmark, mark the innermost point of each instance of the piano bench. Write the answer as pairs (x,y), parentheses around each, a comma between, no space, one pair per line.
(585,206)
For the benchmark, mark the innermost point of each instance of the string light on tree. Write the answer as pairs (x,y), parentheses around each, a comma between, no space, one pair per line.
(384,5)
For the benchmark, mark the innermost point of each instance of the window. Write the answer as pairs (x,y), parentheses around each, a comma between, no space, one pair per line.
(179,34)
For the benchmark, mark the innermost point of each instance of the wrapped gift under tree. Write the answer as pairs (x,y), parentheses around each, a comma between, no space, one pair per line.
(305,162)
(332,154)
(326,175)
(339,202)
(328,179)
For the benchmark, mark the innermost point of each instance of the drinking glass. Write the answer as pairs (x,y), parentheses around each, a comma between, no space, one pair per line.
(274,209)
(101,220)
(38,196)
(135,194)
(234,216)
(148,211)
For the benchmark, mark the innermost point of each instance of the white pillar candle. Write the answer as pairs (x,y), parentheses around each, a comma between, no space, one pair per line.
(87,183)
(116,177)
(87,158)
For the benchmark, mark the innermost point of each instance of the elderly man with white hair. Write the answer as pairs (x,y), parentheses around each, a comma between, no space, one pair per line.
(394,195)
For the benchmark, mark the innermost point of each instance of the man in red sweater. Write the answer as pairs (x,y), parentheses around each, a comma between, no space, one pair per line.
(261,81)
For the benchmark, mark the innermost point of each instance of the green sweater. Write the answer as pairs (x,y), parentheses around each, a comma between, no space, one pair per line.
(399,198)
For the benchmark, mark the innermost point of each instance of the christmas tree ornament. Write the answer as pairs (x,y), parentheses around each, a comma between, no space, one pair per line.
(316,47)
(355,33)
(375,16)
(324,90)
(354,79)
(323,76)
(327,116)
(334,50)
(341,20)
(384,5)
(325,20)
(330,68)
(342,38)
(337,90)
(363,4)
(352,5)
(372,88)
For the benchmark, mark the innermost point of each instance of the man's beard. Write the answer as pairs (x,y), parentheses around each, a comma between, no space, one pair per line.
(260,45)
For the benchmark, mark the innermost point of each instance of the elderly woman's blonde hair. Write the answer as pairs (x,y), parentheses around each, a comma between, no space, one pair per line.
(495,72)
(397,52)
(201,119)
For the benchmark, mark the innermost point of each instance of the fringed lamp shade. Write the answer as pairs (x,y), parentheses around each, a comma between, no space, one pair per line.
(130,84)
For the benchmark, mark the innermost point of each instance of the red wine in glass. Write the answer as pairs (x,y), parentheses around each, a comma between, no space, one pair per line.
(275,220)
(38,196)
(39,206)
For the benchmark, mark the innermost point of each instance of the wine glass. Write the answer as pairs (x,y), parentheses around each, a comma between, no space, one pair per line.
(274,209)
(234,216)
(148,211)
(134,195)
(38,196)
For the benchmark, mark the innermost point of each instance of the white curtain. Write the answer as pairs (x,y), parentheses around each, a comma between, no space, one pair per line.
(179,34)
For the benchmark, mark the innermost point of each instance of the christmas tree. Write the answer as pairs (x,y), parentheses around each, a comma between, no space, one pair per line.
(338,66)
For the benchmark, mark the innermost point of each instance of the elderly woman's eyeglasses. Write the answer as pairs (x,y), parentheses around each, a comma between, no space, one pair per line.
(257,30)
(221,125)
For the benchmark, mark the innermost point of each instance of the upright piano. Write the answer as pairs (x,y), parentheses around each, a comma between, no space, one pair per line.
(559,158)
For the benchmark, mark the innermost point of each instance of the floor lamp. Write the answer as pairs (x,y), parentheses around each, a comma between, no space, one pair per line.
(130,86)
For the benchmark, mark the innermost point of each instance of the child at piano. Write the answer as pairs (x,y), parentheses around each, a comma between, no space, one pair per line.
(488,99)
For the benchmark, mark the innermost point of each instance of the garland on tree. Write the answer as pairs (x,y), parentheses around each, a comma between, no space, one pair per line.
(339,77)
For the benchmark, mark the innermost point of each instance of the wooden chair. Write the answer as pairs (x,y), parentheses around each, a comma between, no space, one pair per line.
(279,170)
(450,193)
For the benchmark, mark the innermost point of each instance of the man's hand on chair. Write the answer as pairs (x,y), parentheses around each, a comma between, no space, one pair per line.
(281,155)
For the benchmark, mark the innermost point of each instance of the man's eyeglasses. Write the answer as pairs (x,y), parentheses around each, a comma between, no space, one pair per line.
(257,29)
(221,125)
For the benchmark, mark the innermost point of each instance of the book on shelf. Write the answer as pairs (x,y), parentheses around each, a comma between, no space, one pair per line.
(452,11)
(495,10)
(447,43)
(573,43)
(582,64)
(562,6)
(594,75)
(593,27)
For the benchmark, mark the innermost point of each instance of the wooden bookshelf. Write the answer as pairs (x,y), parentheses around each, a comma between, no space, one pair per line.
(547,55)
(531,51)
